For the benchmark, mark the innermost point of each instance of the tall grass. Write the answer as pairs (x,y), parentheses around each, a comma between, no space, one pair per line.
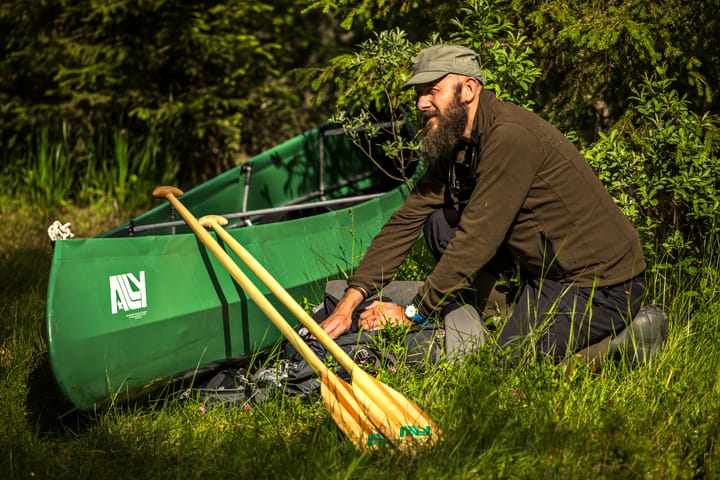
(656,420)
(49,178)
(131,167)
(52,172)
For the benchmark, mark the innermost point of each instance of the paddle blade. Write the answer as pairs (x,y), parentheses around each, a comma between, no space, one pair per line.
(399,420)
(347,412)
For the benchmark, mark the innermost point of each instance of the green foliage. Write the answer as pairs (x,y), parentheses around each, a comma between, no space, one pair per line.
(49,176)
(211,79)
(130,167)
(217,81)
(661,163)
(506,54)
(592,51)
(418,264)
(373,107)
(586,51)
(367,12)
(115,169)
(372,78)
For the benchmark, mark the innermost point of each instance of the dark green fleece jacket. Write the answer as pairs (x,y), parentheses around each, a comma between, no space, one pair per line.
(534,193)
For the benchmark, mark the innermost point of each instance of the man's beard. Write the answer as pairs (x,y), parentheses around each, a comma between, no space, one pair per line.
(441,141)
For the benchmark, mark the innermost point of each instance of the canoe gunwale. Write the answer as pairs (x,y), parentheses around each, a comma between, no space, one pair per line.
(345,202)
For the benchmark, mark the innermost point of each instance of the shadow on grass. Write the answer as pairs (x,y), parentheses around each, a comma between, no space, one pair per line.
(24,268)
(47,409)
(57,417)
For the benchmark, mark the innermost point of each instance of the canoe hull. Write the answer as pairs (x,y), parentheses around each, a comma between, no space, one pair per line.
(125,315)
(128,314)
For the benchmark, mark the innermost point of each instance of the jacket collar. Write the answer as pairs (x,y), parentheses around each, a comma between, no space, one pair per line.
(483,116)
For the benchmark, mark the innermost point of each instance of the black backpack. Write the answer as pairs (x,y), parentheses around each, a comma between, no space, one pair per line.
(293,376)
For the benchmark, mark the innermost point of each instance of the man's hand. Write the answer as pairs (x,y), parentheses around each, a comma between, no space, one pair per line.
(379,314)
(374,317)
(340,320)
(336,323)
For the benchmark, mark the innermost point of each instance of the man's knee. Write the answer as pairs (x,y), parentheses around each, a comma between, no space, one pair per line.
(401,292)
(465,331)
(439,230)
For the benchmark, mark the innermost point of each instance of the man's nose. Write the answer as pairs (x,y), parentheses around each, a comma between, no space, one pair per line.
(423,102)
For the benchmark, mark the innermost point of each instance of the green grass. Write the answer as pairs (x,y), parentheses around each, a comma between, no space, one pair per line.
(659,420)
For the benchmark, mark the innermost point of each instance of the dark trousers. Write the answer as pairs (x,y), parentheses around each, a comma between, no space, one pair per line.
(554,319)
(549,319)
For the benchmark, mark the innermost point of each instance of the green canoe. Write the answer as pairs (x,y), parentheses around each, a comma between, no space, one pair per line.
(145,304)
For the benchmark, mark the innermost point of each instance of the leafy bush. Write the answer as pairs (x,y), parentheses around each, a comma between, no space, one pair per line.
(589,50)
(660,163)
(505,53)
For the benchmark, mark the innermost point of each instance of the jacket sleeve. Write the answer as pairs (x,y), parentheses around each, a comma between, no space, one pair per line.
(390,246)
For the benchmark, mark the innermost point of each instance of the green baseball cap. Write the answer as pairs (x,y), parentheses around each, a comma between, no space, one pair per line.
(433,63)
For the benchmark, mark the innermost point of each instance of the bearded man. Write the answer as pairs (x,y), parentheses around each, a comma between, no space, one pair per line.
(504,191)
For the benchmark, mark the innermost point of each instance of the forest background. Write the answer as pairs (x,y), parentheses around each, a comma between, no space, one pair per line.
(101,101)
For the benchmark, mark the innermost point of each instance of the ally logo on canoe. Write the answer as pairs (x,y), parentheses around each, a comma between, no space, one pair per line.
(127,292)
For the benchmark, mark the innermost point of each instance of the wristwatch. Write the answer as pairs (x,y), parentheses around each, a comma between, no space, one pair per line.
(411,313)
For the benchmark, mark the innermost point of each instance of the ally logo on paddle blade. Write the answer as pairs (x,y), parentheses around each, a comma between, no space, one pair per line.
(127,292)
(413,431)
(375,439)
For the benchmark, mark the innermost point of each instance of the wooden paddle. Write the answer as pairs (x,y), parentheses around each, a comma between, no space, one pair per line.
(345,406)
(400,420)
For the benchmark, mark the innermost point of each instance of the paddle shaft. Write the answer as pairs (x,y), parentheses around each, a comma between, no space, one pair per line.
(290,303)
(253,292)
(400,409)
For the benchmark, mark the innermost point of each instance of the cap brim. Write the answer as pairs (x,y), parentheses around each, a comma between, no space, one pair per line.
(423,78)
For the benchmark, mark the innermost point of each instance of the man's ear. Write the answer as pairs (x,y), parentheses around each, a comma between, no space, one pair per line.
(471,89)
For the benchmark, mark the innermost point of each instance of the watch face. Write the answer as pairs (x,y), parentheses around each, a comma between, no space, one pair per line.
(410,311)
